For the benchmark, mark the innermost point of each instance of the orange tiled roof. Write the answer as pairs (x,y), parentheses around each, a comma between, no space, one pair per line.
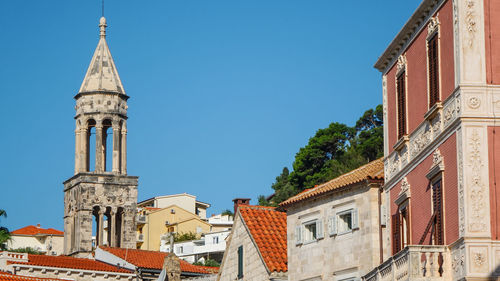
(372,170)
(152,208)
(154,260)
(4,276)
(34,230)
(70,262)
(268,229)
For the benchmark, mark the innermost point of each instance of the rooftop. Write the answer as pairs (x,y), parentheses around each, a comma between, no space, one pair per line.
(154,260)
(32,230)
(268,229)
(69,262)
(4,276)
(371,171)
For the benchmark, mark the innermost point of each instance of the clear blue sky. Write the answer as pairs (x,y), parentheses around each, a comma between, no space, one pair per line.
(223,93)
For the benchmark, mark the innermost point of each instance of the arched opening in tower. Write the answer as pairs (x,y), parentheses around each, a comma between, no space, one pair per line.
(91,143)
(107,145)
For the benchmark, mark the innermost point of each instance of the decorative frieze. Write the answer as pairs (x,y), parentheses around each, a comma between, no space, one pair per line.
(477,188)
(432,26)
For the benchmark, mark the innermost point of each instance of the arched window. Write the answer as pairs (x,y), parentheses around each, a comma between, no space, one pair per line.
(91,123)
(107,145)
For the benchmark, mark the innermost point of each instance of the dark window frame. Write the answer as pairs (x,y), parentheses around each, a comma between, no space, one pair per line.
(401,103)
(240,262)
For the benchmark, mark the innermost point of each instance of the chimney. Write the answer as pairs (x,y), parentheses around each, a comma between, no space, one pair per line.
(38,225)
(240,201)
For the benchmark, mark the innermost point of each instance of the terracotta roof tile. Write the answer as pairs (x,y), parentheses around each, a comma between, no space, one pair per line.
(268,229)
(70,262)
(11,277)
(154,260)
(372,170)
(34,230)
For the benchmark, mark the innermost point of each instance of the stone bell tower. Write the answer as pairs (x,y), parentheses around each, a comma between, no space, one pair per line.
(100,197)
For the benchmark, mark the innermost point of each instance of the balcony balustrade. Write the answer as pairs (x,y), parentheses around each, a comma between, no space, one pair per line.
(415,262)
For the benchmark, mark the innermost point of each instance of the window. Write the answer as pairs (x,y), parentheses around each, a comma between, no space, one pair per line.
(180,250)
(401,95)
(437,207)
(433,65)
(400,228)
(309,232)
(240,262)
(343,222)
(215,240)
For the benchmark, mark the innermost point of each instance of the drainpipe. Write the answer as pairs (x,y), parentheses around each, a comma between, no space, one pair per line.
(380,236)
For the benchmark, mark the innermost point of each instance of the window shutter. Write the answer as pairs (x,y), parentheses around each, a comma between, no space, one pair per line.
(355,221)
(438,208)
(401,105)
(332,225)
(319,228)
(383,215)
(433,53)
(298,235)
(240,261)
(396,242)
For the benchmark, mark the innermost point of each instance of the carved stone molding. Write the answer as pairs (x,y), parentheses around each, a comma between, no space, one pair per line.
(433,26)
(473,102)
(470,20)
(477,191)
(460,175)
(437,165)
(478,259)
(405,192)
(401,64)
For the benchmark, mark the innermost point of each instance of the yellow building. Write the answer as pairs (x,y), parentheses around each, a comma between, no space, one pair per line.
(152,223)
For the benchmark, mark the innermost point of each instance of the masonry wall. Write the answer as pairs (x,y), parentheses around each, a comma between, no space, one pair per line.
(336,257)
(77,275)
(421,200)
(417,97)
(492,32)
(253,265)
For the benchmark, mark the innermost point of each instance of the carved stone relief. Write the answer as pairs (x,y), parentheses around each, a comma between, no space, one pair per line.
(473,102)
(477,191)
(401,64)
(433,25)
(470,21)
(461,203)
(478,259)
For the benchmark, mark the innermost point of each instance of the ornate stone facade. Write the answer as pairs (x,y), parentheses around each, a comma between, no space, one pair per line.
(103,193)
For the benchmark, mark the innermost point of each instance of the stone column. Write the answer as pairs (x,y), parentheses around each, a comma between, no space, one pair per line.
(116,147)
(112,227)
(100,226)
(122,227)
(124,149)
(77,150)
(84,144)
(98,148)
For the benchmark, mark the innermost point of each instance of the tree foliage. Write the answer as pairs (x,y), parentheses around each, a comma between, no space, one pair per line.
(227,212)
(28,250)
(208,262)
(185,236)
(331,152)
(4,232)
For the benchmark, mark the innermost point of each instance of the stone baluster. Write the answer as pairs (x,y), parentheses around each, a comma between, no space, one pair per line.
(112,227)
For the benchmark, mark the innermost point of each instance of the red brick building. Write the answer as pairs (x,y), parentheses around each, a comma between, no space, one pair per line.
(441,94)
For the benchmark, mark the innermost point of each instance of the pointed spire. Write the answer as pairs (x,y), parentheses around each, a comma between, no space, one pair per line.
(102,75)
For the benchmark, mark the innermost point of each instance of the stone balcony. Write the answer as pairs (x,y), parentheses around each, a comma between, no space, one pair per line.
(140,219)
(415,262)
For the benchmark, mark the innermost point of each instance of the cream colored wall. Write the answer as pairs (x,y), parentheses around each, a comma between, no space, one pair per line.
(39,243)
(336,257)
(155,225)
(253,266)
(185,201)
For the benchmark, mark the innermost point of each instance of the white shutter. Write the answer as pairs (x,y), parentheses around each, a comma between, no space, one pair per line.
(319,229)
(383,215)
(332,225)
(355,223)
(298,235)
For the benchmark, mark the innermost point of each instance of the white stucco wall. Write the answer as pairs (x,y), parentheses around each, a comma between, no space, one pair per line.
(40,243)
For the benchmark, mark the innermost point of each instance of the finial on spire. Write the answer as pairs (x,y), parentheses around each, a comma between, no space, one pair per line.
(102,25)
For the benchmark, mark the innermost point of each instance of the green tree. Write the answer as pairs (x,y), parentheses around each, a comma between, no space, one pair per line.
(330,153)
(4,232)
(185,236)
(227,212)
(28,250)
(208,262)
